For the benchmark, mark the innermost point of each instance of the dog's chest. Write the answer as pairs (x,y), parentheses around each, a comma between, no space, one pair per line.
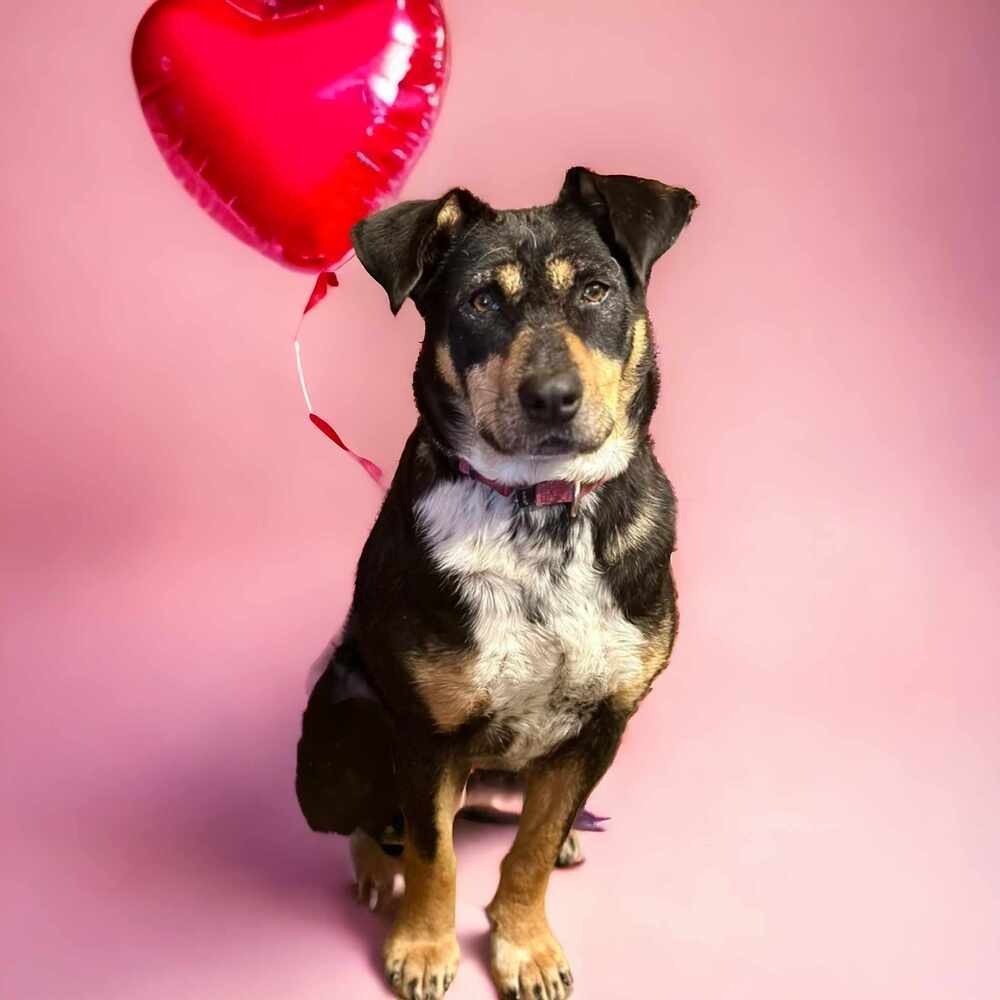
(550,641)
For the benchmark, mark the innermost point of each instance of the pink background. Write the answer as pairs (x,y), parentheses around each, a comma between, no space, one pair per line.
(808,805)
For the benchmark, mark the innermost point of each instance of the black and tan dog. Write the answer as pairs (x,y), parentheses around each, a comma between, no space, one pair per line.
(514,600)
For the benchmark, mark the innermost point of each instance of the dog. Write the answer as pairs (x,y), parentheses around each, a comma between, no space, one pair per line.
(514,601)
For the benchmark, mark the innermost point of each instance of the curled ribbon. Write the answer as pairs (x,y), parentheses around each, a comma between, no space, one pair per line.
(324,282)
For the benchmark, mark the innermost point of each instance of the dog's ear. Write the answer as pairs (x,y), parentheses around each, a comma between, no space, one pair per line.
(639,219)
(401,246)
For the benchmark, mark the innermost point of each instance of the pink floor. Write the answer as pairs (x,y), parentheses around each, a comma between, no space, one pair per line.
(809,803)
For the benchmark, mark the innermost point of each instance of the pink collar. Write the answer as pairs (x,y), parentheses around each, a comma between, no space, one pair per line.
(546,494)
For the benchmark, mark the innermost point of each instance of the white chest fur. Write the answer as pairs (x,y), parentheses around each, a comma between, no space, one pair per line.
(550,640)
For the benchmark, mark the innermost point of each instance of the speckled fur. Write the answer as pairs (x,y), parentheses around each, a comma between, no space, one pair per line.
(551,641)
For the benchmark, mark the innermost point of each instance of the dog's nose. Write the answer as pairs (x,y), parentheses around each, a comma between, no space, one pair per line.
(551,399)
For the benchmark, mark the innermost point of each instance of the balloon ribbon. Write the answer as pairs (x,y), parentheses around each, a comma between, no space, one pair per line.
(324,282)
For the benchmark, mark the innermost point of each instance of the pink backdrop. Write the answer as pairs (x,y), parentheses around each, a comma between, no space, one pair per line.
(809,804)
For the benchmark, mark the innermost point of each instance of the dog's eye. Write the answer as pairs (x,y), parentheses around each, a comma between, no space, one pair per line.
(484,301)
(595,292)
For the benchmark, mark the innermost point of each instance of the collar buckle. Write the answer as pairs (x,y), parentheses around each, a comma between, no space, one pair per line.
(574,507)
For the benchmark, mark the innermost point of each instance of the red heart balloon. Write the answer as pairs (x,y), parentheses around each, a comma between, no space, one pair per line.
(289,120)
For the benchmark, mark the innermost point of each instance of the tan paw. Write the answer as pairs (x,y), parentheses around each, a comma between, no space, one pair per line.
(378,878)
(571,853)
(420,969)
(535,969)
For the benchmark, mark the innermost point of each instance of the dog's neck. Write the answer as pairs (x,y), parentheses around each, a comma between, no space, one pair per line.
(548,493)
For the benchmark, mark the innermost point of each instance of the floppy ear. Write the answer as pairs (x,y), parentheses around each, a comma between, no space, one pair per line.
(639,218)
(401,246)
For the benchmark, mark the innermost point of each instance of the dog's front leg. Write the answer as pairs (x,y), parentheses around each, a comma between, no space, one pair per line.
(527,961)
(421,953)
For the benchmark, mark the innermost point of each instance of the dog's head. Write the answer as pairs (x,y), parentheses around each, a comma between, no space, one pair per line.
(536,361)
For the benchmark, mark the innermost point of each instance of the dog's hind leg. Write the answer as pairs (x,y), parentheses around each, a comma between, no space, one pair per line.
(345,776)
(571,853)
(378,876)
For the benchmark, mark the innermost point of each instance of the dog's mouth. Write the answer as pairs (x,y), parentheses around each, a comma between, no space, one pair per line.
(556,444)
(551,445)
(519,438)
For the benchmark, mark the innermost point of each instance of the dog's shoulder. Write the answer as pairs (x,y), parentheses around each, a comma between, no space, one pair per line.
(635,527)
(403,604)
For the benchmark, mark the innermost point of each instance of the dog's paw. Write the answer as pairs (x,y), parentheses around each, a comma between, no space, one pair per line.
(571,853)
(535,969)
(420,969)
(378,878)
